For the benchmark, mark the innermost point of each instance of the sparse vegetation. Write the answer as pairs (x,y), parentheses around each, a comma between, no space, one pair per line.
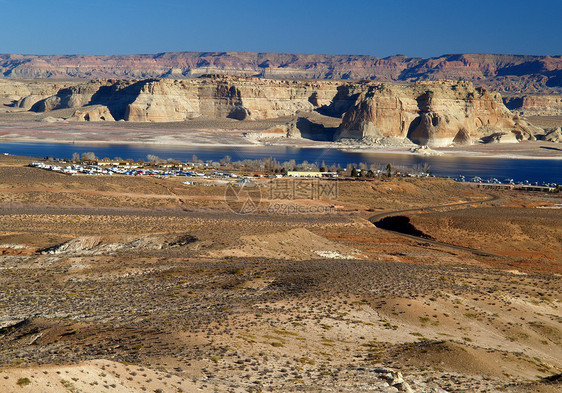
(161,308)
(24,381)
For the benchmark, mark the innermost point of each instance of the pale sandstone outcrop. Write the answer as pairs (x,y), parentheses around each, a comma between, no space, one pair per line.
(554,135)
(429,113)
(23,94)
(166,100)
(93,113)
(289,130)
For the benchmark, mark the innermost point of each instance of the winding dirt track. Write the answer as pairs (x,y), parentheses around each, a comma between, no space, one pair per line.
(377,217)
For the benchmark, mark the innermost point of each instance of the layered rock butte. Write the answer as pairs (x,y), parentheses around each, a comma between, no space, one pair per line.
(430,113)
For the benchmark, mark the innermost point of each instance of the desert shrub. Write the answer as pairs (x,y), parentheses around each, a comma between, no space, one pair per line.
(23,381)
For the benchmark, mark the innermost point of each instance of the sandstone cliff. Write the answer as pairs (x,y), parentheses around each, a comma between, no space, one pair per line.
(505,73)
(166,100)
(429,113)
(535,104)
(23,94)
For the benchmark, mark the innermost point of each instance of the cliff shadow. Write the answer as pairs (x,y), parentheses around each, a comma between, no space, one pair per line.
(513,103)
(343,101)
(551,148)
(416,134)
(315,131)
(117,97)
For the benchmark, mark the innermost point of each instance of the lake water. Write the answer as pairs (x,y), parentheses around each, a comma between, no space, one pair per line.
(533,170)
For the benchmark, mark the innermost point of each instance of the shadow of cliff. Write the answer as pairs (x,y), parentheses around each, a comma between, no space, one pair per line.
(343,101)
(117,97)
(551,148)
(315,131)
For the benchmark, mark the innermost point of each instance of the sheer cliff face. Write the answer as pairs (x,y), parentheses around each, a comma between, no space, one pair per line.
(433,113)
(430,113)
(23,94)
(167,100)
(505,73)
(535,105)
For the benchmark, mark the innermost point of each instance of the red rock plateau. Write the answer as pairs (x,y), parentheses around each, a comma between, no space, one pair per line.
(505,73)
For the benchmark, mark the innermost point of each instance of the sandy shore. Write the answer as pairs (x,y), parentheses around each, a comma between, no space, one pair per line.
(141,134)
(523,150)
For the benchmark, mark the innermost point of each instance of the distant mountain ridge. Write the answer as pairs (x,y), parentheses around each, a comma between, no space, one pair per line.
(511,74)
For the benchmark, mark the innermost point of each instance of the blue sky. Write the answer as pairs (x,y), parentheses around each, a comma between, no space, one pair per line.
(379,28)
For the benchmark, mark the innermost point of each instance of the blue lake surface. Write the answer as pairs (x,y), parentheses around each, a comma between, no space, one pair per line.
(533,170)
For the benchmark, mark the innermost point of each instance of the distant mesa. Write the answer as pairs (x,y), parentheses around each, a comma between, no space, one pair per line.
(514,74)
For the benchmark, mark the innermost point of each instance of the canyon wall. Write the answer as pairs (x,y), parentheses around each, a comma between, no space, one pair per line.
(427,113)
(167,100)
(535,104)
(23,94)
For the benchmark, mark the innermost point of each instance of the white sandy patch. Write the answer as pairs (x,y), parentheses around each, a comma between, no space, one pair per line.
(334,255)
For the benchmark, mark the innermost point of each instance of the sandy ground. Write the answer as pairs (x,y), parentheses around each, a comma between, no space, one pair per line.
(133,284)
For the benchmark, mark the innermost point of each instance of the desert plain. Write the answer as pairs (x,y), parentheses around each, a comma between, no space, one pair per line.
(145,284)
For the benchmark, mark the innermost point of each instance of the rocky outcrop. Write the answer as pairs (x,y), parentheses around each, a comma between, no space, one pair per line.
(554,135)
(505,73)
(93,113)
(429,113)
(288,130)
(24,94)
(426,113)
(166,100)
(535,104)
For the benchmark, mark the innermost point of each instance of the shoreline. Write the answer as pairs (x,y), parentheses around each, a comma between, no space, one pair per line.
(443,152)
(448,152)
(181,137)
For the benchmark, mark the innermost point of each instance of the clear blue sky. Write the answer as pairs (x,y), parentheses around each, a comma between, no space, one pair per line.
(380,28)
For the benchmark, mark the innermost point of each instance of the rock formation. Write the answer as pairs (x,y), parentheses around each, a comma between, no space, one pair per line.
(24,94)
(535,104)
(554,135)
(426,113)
(93,113)
(166,100)
(288,130)
(429,113)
